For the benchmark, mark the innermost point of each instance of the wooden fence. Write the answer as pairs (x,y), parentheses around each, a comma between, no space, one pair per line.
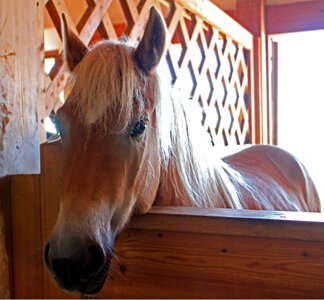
(209,57)
(173,252)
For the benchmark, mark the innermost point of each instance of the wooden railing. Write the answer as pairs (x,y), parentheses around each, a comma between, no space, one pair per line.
(209,58)
(173,252)
(219,253)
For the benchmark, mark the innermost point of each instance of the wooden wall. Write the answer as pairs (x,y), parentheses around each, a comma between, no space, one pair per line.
(203,253)
(174,252)
(21,84)
(4,234)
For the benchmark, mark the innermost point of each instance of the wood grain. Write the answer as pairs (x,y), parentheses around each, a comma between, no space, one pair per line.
(211,13)
(5,242)
(21,48)
(26,237)
(250,14)
(161,262)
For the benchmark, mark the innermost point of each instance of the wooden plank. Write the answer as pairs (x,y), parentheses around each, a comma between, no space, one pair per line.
(250,223)
(108,26)
(253,90)
(21,48)
(53,92)
(251,15)
(273,90)
(94,20)
(141,20)
(203,253)
(215,16)
(55,9)
(164,264)
(5,240)
(293,17)
(26,237)
(41,80)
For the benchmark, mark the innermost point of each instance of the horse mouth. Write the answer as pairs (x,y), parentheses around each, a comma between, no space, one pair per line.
(86,285)
(94,285)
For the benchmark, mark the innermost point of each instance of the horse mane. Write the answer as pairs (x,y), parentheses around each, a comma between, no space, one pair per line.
(187,154)
(113,90)
(185,149)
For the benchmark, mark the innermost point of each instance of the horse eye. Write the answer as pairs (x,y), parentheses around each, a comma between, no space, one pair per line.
(138,129)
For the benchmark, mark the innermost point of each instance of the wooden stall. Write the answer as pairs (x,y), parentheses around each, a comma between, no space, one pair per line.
(21,85)
(178,252)
(174,252)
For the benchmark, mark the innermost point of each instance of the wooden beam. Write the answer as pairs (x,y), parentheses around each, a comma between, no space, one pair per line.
(250,13)
(26,237)
(5,239)
(215,16)
(21,84)
(293,17)
(206,253)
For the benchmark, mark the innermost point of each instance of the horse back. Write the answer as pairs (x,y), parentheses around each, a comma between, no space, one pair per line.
(274,179)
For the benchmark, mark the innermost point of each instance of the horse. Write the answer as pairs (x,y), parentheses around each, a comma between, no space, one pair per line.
(127,144)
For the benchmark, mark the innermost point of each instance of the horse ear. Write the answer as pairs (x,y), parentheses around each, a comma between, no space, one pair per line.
(152,45)
(73,48)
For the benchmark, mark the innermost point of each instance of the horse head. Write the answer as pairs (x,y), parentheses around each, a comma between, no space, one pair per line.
(108,171)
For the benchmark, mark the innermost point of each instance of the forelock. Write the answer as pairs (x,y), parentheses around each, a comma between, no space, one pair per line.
(106,86)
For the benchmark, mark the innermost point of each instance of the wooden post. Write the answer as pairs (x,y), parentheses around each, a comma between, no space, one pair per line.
(251,14)
(21,84)
(4,238)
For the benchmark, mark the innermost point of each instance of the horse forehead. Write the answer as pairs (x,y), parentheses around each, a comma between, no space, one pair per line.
(108,48)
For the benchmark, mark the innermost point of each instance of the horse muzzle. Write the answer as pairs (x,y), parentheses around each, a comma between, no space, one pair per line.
(83,269)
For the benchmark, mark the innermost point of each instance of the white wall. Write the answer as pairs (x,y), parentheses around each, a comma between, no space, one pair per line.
(301,100)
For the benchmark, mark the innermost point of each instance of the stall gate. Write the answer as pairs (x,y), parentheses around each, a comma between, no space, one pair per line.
(174,252)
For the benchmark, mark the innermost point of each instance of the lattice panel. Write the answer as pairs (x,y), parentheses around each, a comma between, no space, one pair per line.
(209,66)
(213,68)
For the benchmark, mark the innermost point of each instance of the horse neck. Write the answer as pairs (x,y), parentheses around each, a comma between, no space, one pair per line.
(193,175)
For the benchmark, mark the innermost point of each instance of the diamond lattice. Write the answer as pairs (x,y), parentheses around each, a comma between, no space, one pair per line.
(212,66)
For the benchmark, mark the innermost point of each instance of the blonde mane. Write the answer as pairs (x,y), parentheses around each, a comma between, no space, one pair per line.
(115,86)
(189,156)
(107,84)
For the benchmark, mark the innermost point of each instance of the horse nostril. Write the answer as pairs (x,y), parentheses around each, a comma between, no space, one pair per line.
(46,251)
(76,267)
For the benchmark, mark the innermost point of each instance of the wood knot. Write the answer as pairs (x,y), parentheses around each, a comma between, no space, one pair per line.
(123,268)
